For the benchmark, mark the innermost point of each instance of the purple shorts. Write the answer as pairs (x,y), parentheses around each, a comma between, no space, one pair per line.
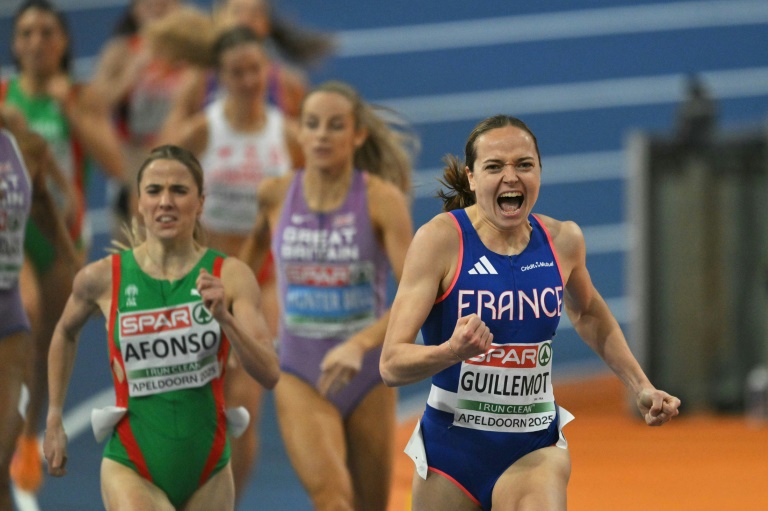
(12,311)
(302,357)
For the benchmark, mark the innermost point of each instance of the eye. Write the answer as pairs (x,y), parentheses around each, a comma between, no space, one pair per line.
(526,165)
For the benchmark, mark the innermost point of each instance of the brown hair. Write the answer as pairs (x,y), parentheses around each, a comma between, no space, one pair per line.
(135,233)
(391,144)
(455,179)
(299,44)
(233,38)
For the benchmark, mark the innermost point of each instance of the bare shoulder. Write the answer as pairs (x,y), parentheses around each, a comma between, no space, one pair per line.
(567,236)
(382,192)
(272,190)
(238,279)
(94,281)
(440,235)
(235,270)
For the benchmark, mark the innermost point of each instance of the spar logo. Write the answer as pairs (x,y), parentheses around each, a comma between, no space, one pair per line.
(318,275)
(519,356)
(201,314)
(152,322)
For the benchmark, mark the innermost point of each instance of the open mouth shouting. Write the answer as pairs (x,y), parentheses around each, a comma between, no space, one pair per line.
(510,202)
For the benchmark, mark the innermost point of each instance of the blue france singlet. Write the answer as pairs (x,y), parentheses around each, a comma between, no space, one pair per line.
(509,388)
(485,413)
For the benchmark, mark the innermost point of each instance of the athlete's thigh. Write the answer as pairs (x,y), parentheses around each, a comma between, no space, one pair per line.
(270,305)
(438,492)
(29,285)
(217,493)
(370,442)
(537,481)
(314,437)
(122,489)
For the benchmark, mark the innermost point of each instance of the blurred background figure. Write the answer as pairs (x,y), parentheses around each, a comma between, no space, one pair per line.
(25,161)
(56,107)
(338,227)
(293,51)
(138,76)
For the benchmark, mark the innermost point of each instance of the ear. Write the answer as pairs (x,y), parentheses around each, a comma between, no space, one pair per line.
(360,137)
(470,178)
(200,208)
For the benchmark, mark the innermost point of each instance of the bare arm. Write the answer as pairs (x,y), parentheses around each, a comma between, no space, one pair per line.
(192,134)
(186,103)
(270,198)
(93,124)
(243,321)
(597,326)
(89,119)
(428,270)
(117,70)
(90,291)
(46,215)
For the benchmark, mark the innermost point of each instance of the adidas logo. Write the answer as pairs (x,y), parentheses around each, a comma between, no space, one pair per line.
(483,267)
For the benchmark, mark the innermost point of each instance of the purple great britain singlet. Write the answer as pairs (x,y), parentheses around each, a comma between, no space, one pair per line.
(332,275)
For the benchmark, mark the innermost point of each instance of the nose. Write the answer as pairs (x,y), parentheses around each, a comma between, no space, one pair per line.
(35,39)
(166,200)
(509,174)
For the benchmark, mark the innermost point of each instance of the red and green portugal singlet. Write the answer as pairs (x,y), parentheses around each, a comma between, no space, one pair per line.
(168,357)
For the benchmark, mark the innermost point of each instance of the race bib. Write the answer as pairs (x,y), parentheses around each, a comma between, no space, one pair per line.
(169,348)
(507,389)
(326,300)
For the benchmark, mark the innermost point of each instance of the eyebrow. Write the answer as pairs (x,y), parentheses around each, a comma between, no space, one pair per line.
(500,160)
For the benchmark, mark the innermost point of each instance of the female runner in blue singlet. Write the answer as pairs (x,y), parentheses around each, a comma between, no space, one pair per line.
(487,282)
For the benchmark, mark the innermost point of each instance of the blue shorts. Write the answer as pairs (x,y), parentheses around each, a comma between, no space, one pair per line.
(12,311)
(474,460)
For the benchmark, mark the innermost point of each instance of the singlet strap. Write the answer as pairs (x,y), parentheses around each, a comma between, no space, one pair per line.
(460,258)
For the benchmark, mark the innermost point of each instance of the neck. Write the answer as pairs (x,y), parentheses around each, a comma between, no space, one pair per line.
(325,190)
(244,115)
(502,241)
(35,85)
(168,260)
